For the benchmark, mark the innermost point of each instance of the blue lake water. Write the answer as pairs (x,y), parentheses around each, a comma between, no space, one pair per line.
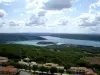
(59,41)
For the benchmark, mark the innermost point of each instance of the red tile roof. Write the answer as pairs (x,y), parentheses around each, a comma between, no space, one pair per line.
(8,69)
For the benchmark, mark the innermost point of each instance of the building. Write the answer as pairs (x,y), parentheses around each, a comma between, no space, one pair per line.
(33,63)
(81,71)
(27,59)
(51,65)
(23,63)
(9,70)
(3,59)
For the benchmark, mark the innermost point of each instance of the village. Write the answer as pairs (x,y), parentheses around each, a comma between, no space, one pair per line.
(33,68)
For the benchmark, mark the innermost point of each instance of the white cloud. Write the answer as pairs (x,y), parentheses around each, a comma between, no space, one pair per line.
(93,6)
(2,13)
(6,2)
(34,4)
(42,13)
(52,16)
(88,20)
(35,20)
(13,23)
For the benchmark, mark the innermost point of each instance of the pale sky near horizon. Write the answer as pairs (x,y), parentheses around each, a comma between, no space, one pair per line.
(54,16)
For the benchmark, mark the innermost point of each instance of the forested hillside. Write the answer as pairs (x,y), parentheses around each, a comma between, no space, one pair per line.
(73,56)
(18,37)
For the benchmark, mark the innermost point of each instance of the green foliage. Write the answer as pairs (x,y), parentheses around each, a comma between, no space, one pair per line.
(39,54)
(43,69)
(65,56)
(53,70)
(35,67)
(82,63)
(67,66)
(61,71)
(47,69)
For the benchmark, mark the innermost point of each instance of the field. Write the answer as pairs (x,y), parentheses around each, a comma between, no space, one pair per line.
(94,60)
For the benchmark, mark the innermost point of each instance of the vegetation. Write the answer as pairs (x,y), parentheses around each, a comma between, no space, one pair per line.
(53,70)
(61,71)
(4,37)
(35,68)
(45,42)
(63,56)
(93,37)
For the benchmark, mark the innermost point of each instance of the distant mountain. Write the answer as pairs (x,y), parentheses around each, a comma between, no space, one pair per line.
(4,37)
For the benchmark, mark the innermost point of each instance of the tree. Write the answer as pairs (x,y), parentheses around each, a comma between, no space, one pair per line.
(5,64)
(82,63)
(67,66)
(42,69)
(25,66)
(35,68)
(61,71)
(47,69)
(53,70)
(29,67)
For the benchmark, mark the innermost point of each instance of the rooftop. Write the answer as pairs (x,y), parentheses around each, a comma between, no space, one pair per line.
(8,69)
(3,59)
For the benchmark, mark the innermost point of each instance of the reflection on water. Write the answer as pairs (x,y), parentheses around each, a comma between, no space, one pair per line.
(59,41)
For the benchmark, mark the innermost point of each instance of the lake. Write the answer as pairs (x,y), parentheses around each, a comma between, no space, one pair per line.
(58,41)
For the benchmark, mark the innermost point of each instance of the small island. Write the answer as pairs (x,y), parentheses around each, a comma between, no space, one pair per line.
(46,42)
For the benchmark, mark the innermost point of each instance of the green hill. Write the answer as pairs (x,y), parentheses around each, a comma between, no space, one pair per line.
(18,37)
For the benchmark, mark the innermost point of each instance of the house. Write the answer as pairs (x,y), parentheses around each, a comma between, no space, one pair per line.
(82,71)
(23,63)
(3,59)
(27,59)
(50,65)
(9,70)
(33,63)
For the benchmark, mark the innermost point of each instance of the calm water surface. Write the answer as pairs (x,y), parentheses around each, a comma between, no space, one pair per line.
(59,41)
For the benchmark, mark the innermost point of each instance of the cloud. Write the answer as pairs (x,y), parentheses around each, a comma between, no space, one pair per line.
(94,6)
(89,20)
(1,24)
(13,23)
(35,20)
(42,13)
(63,21)
(34,4)
(6,2)
(58,4)
(2,13)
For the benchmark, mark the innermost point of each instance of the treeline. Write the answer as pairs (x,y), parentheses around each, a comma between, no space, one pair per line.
(93,37)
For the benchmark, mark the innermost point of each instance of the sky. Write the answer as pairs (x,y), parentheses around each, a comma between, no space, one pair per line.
(50,16)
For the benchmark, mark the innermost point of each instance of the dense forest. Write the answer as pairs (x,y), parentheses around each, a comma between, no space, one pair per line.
(72,56)
(93,37)
(4,37)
